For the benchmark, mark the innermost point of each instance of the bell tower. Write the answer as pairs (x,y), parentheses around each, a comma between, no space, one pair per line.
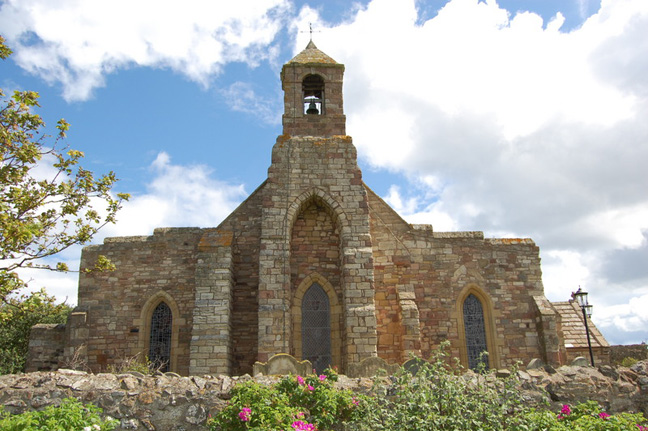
(316,285)
(312,85)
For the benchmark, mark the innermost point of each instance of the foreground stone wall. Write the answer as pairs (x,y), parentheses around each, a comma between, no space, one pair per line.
(172,403)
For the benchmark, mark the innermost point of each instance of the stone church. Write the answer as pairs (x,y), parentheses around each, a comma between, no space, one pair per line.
(314,264)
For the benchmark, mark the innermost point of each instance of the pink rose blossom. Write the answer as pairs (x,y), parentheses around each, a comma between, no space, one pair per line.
(300,380)
(245,414)
(303,426)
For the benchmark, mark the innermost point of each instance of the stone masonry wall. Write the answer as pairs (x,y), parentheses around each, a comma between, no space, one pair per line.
(295,121)
(242,228)
(245,225)
(315,247)
(163,263)
(636,351)
(46,344)
(441,267)
(304,168)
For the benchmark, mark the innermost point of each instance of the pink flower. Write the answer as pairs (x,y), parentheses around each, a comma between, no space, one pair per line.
(245,414)
(310,388)
(603,415)
(303,426)
(565,410)
(322,377)
(355,401)
(300,380)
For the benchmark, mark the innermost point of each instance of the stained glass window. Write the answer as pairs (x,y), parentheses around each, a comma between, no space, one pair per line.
(160,341)
(473,314)
(316,328)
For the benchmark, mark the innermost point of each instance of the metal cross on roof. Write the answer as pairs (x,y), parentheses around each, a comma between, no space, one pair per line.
(311,31)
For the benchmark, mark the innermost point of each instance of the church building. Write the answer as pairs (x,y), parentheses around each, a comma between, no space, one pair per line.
(313,264)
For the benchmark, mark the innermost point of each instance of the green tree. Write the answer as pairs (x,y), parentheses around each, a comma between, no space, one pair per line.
(17,316)
(40,214)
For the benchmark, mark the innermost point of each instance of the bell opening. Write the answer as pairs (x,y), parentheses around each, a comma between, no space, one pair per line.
(313,95)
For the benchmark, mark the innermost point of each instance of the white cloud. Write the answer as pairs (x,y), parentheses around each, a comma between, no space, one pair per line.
(520,128)
(78,43)
(502,122)
(177,196)
(241,97)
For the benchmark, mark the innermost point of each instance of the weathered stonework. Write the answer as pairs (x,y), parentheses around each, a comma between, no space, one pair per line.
(171,402)
(235,293)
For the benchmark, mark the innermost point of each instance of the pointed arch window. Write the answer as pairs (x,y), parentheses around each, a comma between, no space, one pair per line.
(160,339)
(475,331)
(313,95)
(316,328)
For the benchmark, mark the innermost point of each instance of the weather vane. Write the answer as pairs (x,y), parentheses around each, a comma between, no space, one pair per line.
(311,31)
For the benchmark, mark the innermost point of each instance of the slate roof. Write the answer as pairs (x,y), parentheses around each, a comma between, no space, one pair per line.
(574,329)
(312,55)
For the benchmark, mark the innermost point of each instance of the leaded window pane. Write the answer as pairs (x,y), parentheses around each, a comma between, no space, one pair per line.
(160,341)
(316,328)
(475,332)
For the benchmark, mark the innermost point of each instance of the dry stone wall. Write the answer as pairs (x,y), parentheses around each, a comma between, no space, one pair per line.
(172,403)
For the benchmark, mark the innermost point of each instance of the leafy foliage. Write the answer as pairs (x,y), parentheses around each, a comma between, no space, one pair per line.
(47,201)
(628,361)
(440,397)
(586,416)
(71,415)
(17,316)
(295,403)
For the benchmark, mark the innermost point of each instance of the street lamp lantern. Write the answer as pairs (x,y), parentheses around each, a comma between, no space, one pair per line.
(581,298)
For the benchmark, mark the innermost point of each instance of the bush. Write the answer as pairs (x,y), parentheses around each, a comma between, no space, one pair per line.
(586,416)
(17,316)
(438,397)
(294,403)
(628,362)
(71,415)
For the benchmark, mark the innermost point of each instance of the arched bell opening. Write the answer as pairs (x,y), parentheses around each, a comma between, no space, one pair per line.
(313,95)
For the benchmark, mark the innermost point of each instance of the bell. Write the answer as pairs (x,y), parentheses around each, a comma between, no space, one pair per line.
(312,109)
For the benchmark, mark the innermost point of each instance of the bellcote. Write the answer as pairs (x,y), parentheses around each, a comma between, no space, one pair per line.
(312,85)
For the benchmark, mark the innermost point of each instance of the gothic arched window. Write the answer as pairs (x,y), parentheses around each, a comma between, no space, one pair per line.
(160,338)
(475,328)
(313,94)
(316,328)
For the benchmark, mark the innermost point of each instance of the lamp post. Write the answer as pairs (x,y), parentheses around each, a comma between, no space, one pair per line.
(581,297)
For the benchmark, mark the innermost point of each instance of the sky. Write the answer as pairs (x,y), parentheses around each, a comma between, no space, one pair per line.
(518,118)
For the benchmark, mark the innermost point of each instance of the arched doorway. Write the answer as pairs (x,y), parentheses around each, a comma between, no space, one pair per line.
(316,328)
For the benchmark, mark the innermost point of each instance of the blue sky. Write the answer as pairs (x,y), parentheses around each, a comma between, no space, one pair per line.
(520,118)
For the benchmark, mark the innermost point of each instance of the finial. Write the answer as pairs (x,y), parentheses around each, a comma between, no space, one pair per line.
(311,31)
